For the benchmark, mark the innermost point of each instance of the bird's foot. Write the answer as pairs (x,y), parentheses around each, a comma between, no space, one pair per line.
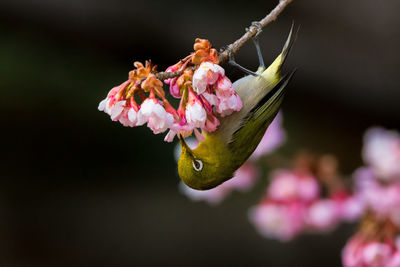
(256,42)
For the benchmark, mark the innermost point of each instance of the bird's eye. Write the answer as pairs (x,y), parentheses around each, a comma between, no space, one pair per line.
(197,165)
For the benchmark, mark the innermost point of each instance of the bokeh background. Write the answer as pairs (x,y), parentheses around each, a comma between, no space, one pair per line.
(80,190)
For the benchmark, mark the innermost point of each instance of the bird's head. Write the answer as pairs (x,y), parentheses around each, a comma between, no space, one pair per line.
(204,167)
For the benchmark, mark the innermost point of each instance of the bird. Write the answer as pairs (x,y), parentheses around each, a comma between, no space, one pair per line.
(223,151)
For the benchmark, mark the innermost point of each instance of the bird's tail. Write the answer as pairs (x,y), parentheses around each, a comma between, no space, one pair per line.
(272,73)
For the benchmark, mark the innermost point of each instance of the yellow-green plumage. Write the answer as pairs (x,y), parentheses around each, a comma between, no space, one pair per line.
(225,150)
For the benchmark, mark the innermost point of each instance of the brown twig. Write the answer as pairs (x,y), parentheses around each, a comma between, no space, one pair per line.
(252,31)
(167,75)
(234,47)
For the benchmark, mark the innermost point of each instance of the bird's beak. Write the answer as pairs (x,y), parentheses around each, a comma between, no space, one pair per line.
(184,147)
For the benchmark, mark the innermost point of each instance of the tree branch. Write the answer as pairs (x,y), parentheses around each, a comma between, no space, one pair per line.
(234,47)
(252,31)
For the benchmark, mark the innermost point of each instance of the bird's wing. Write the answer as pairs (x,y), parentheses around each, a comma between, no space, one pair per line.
(259,118)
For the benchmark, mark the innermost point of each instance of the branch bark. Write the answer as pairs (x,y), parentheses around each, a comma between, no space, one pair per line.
(234,47)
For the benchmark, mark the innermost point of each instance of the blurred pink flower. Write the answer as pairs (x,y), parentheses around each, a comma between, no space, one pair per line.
(351,208)
(360,253)
(395,260)
(376,254)
(364,178)
(243,180)
(283,186)
(382,152)
(279,221)
(382,199)
(273,138)
(323,214)
(213,196)
(352,253)
(287,186)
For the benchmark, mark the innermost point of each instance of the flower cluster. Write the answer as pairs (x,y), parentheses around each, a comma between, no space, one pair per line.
(203,89)
(294,202)
(366,248)
(377,243)
(246,175)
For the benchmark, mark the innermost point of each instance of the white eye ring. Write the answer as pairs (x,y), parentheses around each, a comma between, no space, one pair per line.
(197,165)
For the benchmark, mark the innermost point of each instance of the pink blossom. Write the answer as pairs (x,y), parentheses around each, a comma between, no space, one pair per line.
(364,179)
(279,221)
(146,110)
(395,260)
(228,100)
(213,196)
(170,136)
(227,105)
(352,253)
(382,151)
(308,188)
(283,186)
(132,116)
(207,73)
(117,109)
(286,186)
(124,119)
(102,105)
(382,199)
(153,112)
(160,121)
(211,124)
(351,208)
(376,254)
(195,113)
(244,177)
(273,138)
(224,86)
(173,87)
(372,254)
(323,214)
(211,98)
(112,98)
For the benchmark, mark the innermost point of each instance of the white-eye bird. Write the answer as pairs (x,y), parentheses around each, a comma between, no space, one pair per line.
(216,159)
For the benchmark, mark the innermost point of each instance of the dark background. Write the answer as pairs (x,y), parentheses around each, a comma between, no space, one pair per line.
(79,190)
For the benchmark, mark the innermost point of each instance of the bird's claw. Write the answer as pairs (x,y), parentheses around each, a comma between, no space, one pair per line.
(257,25)
(259,28)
